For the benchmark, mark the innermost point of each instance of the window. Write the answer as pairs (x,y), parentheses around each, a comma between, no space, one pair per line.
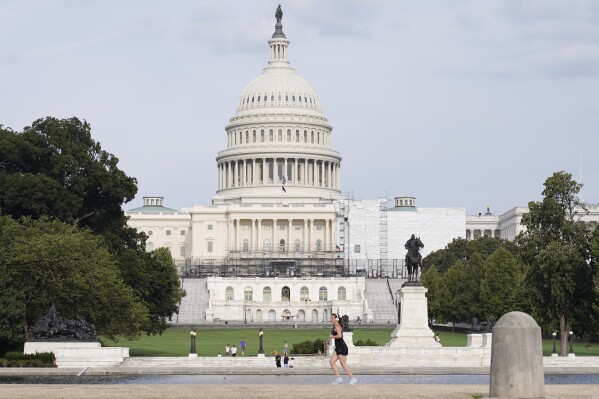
(247,136)
(182,252)
(322,294)
(150,232)
(318,138)
(246,245)
(182,232)
(312,138)
(305,136)
(356,249)
(318,226)
(149,247)
(304,294)
(270,135)
(267,227)
(267,294)
(282,245)
(248,294)
(297,136)
(266,245)
(262,136)
(288,135)
(280,136)
(254,138)
(209,227)
(298,245)
(281,227)
(341,294)
(229,293)
(245,226)
(298,227)
(319,245)
(210,246)
(168,232)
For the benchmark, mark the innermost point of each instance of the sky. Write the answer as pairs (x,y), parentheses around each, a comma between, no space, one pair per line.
(461,103)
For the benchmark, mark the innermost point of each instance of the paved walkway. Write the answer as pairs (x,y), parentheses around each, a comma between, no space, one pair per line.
(225,391)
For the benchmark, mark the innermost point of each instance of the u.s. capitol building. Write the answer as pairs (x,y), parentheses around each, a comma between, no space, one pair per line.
(279,241)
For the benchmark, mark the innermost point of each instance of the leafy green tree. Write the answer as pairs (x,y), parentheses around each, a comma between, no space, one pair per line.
(474,271)
(556,248)
(54,168)
(461,249)
(501,284)
(46,262)
(437,294)
(458,304)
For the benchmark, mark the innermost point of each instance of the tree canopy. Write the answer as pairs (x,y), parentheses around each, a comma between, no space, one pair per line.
(561,271)
(54,171)
(45,262)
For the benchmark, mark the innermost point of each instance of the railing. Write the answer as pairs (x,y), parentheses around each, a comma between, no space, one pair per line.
(283,264)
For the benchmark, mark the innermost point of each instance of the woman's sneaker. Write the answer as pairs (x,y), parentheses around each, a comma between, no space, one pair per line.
(353,381)
(338,381)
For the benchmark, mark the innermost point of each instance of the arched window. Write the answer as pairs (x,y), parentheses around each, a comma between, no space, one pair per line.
(322,294)
(312,137)
(298,246)
(280,136)
(282,244)
(341,293)
(267,245)
(289,135)
(149,246)
(305,136)
(285,294)
(304,294)
(319,245)
(229,293)
(267,294)
(297,136)
(246,245)
(262,136)
(248,294)
(254,137)
(270,135)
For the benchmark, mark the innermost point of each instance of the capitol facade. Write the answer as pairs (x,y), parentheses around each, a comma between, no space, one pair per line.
(280,242)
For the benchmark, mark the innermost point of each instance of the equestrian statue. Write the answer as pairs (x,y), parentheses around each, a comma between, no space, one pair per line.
(413,258)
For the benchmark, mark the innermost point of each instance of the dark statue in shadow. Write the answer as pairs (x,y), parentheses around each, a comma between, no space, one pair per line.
(413,258)
(55,328)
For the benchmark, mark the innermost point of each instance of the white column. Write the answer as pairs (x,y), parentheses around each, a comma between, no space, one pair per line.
(322,174)
(263,171)
(290,223)
(237,234)
(311,233)
(285,168)
(324,236)
(275,244)
(252,235)
(244,174)
(258,235)
(254,172)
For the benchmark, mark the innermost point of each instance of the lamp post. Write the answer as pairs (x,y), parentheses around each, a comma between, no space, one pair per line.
(192,350)
(571,351)
(554,353)
(260,350)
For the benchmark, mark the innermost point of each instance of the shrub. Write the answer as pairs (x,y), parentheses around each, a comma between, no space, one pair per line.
(367,342)
(19,359)
(308,347)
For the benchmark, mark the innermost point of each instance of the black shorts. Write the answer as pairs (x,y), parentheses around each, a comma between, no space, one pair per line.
(341,350)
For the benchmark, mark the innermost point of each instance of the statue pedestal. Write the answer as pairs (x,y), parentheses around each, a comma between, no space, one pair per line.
(413,331)
(79,354)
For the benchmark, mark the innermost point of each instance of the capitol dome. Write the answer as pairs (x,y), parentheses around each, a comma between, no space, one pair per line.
(278,140)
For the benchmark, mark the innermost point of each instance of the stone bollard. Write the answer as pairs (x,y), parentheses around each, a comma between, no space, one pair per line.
(517,358)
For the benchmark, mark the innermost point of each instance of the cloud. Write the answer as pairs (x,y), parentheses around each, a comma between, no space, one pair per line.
(570,61)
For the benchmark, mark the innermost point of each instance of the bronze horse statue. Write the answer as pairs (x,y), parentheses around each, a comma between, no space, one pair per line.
(413,258)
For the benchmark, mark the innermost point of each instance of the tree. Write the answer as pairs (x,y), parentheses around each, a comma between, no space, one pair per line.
(501,284)
(45,262)
(458,304)
(54,168)
(437,294)
(461,249)
(561,272)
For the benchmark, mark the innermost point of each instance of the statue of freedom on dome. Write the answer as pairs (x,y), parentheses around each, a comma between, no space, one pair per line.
(279,14)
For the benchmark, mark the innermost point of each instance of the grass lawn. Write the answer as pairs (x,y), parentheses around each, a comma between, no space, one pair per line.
(210,341)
